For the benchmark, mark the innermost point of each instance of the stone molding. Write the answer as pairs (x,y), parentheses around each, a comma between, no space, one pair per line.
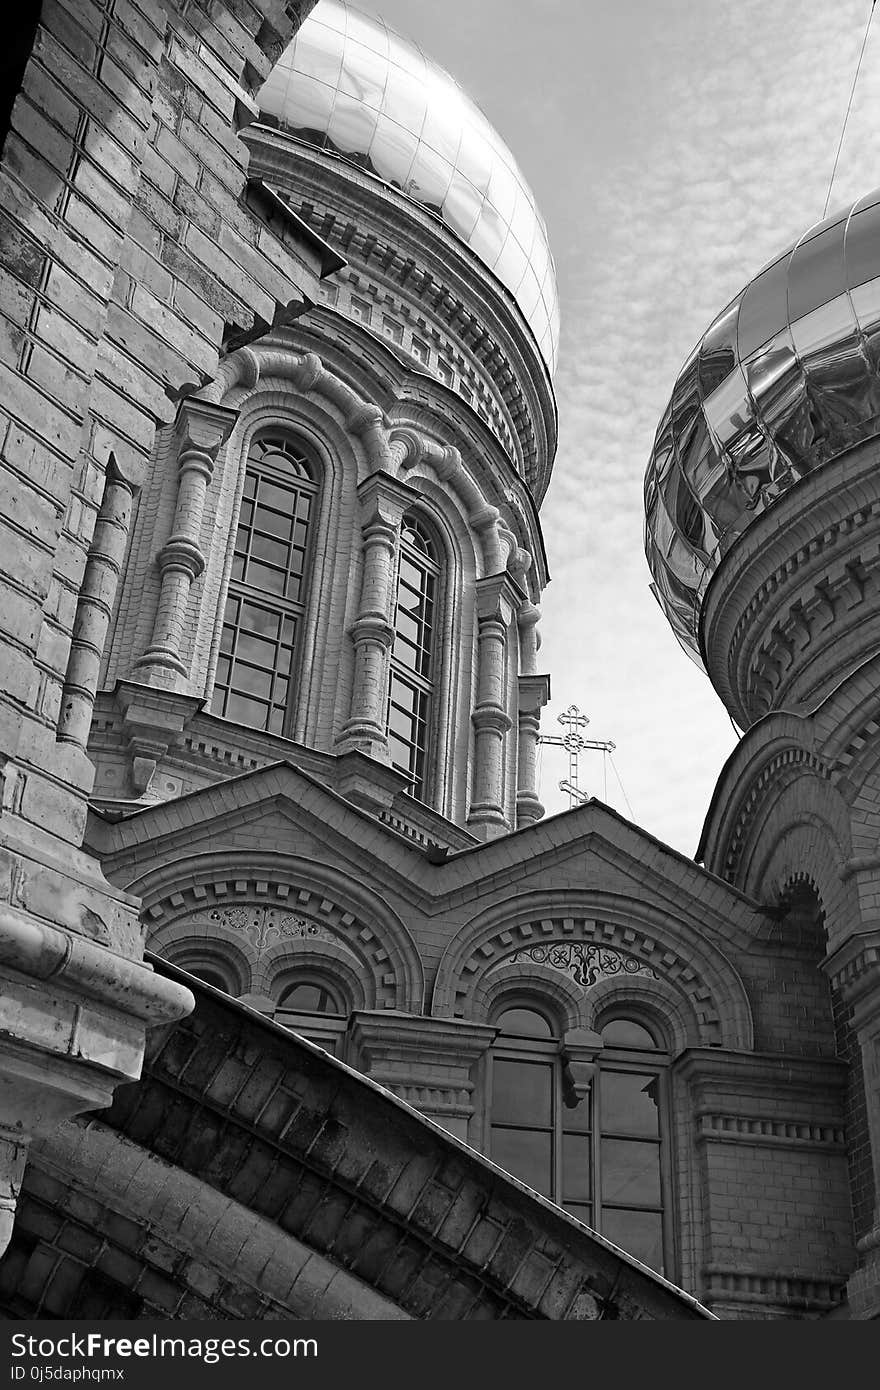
(459,980)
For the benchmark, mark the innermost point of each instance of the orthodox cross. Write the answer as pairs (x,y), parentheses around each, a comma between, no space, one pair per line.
(574,744)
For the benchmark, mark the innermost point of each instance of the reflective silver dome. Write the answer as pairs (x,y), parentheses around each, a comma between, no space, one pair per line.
(351,85)
(784,379)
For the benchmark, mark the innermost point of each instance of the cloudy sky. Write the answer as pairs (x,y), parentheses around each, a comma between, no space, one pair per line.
(674,146)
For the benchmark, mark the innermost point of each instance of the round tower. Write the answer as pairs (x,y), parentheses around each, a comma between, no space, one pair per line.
(338,553)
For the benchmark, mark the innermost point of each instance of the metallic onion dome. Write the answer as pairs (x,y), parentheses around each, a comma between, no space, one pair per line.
(784,379)
(351,85)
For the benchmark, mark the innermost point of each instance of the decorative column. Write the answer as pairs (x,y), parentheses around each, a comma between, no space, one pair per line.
(94,608)
(202,428)
(497,601)
(534,692)
(383,502)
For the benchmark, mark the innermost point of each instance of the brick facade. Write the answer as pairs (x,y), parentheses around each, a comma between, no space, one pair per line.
(173,294)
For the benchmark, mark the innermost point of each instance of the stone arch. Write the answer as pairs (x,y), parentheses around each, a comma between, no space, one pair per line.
(591,938)
(672,1012)
(232,959)
(263,903)
(328,959)
(544,985)
(275,405)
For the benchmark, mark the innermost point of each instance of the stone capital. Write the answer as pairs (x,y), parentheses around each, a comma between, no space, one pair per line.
(498,597)
(384,498)
(203,427)
(534,693)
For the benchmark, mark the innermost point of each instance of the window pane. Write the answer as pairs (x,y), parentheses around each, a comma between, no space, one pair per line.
(245,711)
(581,1211)
(524,1023)
(248,680)
(262,620)
(625,1032)
(261,577)
(275,523)
(630,1172)
(273,551)
(283,499)
(576,1166)
(629,1103)
(256,649)
(522,1092)
(525,1153)
(639,1233)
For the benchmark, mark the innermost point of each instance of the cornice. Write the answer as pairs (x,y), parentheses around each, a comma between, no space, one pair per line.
(378,228)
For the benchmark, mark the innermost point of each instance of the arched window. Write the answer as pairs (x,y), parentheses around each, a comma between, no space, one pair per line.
(267,589)
(314,1006)
(590,1136)
(413,658)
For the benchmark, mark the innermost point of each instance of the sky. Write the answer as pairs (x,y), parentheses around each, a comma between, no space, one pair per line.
(674,146)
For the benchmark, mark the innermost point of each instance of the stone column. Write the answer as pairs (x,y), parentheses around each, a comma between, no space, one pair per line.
(95,607)
(202,429)
(428,1062)
(534,692)
(383,502)
(497,601)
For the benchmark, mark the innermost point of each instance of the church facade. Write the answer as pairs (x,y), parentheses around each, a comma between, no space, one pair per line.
(301,685)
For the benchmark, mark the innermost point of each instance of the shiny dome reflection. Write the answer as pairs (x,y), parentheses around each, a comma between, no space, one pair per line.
(351,85)
(783,380)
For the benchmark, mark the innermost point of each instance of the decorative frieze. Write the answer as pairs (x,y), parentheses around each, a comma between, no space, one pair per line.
(266,926)
(584,962)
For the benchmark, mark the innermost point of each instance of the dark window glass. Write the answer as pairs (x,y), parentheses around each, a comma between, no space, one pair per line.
(639,1233)
(527,1022)
(307,996)
(629,1102)
(522,1093)
(206,975)
(411,684)
(602,1159)
(258,640)
(625,1032)
(527,1154)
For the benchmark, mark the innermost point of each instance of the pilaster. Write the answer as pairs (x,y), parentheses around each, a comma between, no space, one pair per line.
(534,692)
(764,1211)
(498,599)
(383,501)
(94,608)
(201,429)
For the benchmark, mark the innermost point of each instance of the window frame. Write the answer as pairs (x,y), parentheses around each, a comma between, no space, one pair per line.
(612,1059)
(324,1028)
(302,480)
(422,684)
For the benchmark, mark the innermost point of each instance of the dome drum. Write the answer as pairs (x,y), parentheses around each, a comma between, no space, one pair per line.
(785,379)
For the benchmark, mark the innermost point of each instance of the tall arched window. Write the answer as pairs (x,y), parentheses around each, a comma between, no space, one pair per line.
(413,658)
(589,1137)
(267,589)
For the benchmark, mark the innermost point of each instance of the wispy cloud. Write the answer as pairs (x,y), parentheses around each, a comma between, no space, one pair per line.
(674,148)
